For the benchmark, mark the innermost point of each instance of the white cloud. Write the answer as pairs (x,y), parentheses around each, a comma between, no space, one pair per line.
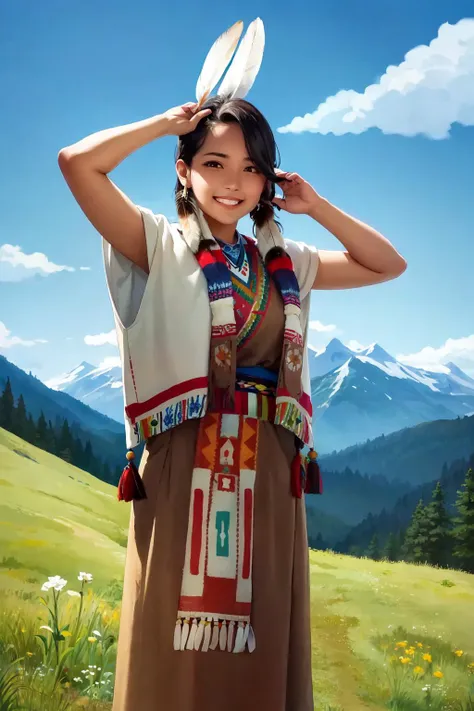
(102,339)
(429,91)
(110,362)
(458,350)
(321,327)
(9,341)
(84,269)
(15,265)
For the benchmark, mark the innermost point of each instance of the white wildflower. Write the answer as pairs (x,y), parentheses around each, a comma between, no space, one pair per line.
(54,581)
(87,577)
(74,593)
(96,632)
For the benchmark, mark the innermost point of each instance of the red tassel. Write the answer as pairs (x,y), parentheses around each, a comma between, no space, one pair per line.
(314,483)
(296,472)
(130,485)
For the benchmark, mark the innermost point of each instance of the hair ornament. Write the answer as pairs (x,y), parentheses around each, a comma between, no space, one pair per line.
(244,67)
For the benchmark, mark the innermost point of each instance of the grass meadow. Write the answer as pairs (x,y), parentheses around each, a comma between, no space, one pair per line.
(385,635)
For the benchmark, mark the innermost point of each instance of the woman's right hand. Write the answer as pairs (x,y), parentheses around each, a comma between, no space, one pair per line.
(183,119)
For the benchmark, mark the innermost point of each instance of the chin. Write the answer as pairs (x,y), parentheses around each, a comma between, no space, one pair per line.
(222,216)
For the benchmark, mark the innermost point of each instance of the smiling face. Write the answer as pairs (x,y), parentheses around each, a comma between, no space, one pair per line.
(231,175)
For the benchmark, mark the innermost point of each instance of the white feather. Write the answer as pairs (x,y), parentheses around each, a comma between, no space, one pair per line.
(246,63)
(216,61)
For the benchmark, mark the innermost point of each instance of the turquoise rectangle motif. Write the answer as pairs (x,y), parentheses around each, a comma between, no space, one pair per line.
(222,539)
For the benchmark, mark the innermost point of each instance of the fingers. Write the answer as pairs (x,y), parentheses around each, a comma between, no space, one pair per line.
(286,175)
(200,114)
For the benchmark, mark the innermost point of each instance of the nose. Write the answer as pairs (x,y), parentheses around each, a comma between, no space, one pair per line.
(233,180)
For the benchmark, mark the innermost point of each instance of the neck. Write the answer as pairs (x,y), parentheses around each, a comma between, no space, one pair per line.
(226,233)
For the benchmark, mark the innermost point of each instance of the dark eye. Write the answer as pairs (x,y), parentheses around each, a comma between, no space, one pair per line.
(214,162)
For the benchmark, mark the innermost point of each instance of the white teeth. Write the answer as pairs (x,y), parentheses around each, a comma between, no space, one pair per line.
(227,202)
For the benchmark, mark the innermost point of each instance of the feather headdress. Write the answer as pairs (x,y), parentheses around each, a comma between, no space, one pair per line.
(245,64)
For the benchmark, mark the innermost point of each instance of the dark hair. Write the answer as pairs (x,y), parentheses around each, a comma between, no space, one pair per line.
(259,141)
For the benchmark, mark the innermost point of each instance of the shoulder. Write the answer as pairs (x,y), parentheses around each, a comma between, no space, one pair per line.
(305,258)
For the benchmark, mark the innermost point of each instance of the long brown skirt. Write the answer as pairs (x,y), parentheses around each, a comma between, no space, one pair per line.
(150,674)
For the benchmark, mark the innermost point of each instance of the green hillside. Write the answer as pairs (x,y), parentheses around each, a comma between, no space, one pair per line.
(56,519)
(362,609)
(385,635)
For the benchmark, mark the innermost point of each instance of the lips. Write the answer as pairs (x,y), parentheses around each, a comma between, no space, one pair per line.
(221,197)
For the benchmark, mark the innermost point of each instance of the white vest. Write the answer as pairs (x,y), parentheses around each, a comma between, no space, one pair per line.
(163,325)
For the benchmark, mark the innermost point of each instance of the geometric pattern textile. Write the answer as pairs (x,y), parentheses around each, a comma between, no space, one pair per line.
(216,591)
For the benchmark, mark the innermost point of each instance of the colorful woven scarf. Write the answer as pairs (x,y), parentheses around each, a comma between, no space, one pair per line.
(222,358)
(214,608)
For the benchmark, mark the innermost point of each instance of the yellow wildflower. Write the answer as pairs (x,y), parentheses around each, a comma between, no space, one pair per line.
(438,674)
(401,644)
(23,629)
(410,651)
(418,670)
(405,660)
(92,639)
(66,633)
(458,652)
(419,645)
(30,654)
(427,657)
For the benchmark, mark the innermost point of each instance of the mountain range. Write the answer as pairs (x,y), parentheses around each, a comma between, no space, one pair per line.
(106,435)
(356,395)
(362,484)
(99,387)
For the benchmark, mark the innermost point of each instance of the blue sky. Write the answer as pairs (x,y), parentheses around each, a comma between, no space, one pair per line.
(68,69)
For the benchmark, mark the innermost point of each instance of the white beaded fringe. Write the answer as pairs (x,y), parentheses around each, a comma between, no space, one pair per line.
(202,634)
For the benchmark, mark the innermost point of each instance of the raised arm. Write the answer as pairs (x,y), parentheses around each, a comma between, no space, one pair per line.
(85,166)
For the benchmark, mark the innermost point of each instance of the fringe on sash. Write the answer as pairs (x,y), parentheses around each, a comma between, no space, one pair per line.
(205,633)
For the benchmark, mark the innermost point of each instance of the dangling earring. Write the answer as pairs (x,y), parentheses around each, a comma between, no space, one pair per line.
(185,193)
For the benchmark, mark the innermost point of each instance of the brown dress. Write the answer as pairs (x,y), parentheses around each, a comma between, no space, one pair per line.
(276,676)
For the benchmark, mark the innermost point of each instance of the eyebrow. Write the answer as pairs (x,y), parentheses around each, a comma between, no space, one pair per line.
(223,155)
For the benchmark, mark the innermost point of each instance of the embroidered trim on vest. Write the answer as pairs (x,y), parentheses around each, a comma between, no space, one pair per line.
(290,415)
(189,388)
(192,404)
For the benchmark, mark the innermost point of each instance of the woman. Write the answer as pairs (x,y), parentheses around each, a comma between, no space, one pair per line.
(211,327)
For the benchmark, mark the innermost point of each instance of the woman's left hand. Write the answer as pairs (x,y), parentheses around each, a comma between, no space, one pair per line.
(299,197)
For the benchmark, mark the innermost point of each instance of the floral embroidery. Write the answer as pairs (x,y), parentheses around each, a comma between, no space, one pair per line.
(294,359)
(222,355)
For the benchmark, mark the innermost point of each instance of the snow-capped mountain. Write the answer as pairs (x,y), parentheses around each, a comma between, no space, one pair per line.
(357,395)
(360,395)
(100,388)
